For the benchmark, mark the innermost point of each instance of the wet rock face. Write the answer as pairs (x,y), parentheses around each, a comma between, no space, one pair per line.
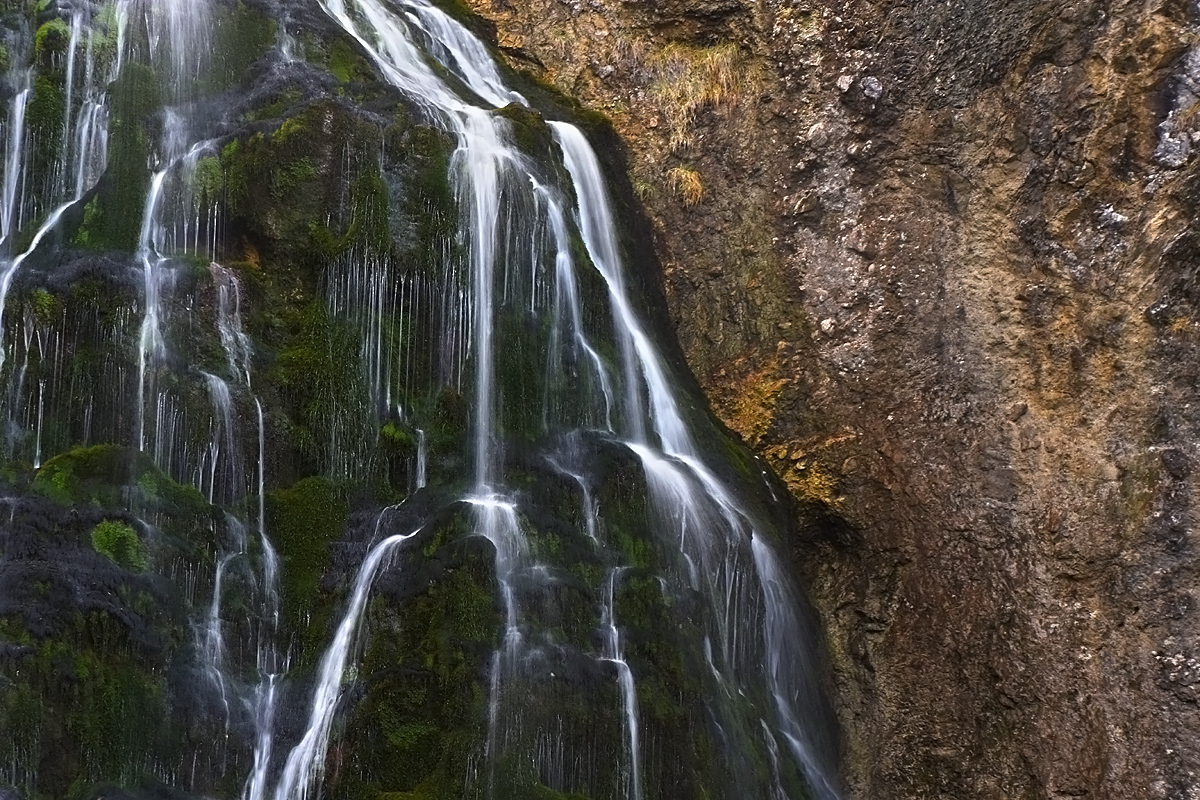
(934,261)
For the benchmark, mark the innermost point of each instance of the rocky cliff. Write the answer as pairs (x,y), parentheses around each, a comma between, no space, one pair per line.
(936,261)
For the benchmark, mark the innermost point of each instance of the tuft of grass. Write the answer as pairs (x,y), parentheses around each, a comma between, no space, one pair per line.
(687,79)
(686,184)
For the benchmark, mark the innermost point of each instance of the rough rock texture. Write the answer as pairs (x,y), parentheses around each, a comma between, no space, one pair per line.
(936,261)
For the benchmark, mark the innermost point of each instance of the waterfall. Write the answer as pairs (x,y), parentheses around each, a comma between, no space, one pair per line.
(90,130)
(9,270)
(507,405)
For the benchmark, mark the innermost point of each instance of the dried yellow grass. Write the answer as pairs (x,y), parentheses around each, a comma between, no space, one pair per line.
(687,79)
(686,184)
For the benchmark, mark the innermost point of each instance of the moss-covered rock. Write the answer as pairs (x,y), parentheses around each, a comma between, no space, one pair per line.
(113,219)
(304,519)
(105,474)
(241,36)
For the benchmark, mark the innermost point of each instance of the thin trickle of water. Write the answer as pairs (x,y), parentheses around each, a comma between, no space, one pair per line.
(69,86)
(270,556)
(150,344)
(37,449)
(567,308)
(263,710)
(211,635)
(287,44)
(612,653)
(14,163)
(123,10)
(787,667)
(234,340)
(422,459)
(91,138)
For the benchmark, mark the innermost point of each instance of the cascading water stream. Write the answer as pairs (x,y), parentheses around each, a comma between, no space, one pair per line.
(91,149)
(682,500)
(9,270)
(234,340)
(149,344)
(150,254)
(477,168)
(14,161)
(641,360)
(261,704)
(76,27)
(567,300)
(422,459)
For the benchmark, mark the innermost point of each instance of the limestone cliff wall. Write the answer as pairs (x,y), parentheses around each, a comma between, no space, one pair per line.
(937,261)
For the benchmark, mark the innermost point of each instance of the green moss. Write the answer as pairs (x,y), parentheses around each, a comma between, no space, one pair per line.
(347,65)
(45,119)
(88,234)
(241,36)
(66,703)
(282,102)
(303,520)
(21,721)
(113,220)
(120,544)
(283,187)
(288,179)
(45,306)
(233,167)
(322,385)
(398,436)
(529,131)
(52,37)
(208,180)
(370,223)
(449,419)
(111,694)
(424,154)
(100,474)
(521,373)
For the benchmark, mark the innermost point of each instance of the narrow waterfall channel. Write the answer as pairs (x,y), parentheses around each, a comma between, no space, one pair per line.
(326,361)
